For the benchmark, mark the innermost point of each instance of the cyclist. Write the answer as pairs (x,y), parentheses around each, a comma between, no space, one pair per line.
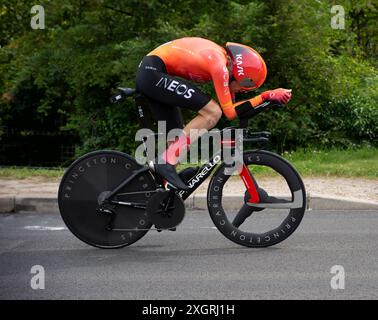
(162,76)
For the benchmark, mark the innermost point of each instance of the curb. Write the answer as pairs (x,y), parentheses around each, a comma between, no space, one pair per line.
(18,204)
(7,203)
(199,202)
(323,203)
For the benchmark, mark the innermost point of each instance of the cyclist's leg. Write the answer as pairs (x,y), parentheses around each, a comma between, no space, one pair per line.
(148,81)
(207,118)
(170,91)
(171,115)
(154,82)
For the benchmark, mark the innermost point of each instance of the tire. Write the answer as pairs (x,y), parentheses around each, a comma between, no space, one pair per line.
(92,175)
(289,224)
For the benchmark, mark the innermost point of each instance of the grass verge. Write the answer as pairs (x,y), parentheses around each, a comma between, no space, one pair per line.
(362,163)
(336,163)
(27,173)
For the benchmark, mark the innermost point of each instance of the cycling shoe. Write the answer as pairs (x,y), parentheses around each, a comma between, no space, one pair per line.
(188,173)
(168,172)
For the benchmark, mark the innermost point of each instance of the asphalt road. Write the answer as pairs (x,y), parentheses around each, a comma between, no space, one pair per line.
(192,263)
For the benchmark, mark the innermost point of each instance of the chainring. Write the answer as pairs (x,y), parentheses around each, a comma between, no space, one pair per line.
(165,215)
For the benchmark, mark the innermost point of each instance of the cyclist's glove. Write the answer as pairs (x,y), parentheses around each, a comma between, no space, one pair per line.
(250,108)
(281,96)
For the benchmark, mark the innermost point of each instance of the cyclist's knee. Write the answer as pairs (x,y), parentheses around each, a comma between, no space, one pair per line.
(211,112)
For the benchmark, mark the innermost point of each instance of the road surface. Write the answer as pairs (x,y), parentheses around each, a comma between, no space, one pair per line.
(192,263)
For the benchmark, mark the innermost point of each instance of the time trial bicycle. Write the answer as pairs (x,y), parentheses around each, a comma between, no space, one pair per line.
(108,200)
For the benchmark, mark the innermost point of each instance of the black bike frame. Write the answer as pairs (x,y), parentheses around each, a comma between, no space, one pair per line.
(194,182)
(203,173)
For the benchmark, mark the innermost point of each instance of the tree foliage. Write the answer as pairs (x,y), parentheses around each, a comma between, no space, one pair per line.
(60,78)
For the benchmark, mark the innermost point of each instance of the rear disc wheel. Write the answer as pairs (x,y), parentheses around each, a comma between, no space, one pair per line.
(87,182)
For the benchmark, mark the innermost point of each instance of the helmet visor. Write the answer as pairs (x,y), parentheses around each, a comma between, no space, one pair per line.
(247,84)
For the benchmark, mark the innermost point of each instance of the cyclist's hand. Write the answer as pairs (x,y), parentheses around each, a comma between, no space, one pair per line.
(282,96)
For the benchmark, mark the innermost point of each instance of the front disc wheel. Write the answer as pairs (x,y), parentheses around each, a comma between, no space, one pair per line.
(280,209)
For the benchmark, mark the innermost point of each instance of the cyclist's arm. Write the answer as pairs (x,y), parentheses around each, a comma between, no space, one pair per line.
(230,109)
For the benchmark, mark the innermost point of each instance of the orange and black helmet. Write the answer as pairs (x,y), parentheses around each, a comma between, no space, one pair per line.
(248,67)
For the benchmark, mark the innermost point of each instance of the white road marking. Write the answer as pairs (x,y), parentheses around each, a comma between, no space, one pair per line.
(44,228)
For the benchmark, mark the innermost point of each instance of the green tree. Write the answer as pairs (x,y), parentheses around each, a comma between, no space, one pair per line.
(60,78)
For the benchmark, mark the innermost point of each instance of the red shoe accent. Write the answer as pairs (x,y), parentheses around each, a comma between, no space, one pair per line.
(173,152)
